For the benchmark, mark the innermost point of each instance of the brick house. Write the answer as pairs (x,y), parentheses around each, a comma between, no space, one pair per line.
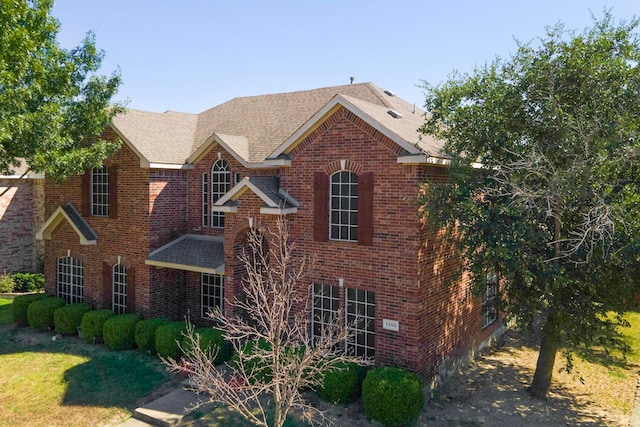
(158,228)
(21,215)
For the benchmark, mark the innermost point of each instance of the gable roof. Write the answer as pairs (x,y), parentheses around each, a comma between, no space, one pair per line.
(267,188)
(69,213)
(256,130)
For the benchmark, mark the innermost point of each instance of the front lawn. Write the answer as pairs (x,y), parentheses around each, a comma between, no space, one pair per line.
(65,382)
(5,310)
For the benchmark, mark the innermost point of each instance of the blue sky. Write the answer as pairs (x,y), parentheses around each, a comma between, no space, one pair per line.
(190,55)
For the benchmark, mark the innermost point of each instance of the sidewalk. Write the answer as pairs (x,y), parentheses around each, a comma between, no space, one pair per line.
(166,411)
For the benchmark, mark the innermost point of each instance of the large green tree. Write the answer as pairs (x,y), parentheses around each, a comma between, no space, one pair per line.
(545,182)
(53,104)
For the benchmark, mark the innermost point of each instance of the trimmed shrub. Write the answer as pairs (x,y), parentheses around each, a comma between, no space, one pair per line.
(392,396)
(28,282)
(92,324)
(210,339)
(7,284)
(20,306)
(67,318)
(119,332)
(342,384)
(167,338)
(145,334)
(262,373)
(40,312)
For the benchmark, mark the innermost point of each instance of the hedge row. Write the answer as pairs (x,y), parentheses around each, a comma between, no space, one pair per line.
(21,282)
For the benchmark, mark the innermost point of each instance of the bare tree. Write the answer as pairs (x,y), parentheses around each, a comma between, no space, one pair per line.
(264,382)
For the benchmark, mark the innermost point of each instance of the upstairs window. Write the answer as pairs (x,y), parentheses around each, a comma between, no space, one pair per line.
(100,191)
(343,206)
(220,185)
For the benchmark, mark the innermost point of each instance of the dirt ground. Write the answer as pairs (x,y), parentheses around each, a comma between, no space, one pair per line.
(491,391)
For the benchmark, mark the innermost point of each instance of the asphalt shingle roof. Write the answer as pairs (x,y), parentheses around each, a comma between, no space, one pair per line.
(190,252)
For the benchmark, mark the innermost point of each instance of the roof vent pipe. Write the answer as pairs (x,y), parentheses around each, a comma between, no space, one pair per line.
(352,79)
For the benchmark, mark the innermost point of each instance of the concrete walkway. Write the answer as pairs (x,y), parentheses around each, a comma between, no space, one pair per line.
(168,410)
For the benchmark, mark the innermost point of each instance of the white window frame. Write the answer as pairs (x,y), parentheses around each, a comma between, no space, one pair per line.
(343,206)
(205,199)
(70,280)
(360,320)
(119,289)
(100,191)
(220,185)
(489,311)
(325,307)
(210,284)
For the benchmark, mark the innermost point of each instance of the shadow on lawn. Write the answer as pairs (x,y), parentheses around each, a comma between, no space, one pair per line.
(107,378)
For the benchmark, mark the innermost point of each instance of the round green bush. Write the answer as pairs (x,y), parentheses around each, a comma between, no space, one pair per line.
(145,334)
(92,324)
(210,339)
(167,338)
(40,312)
(28,282)
(67,318)
(7,284)
(392,396)
(342,384)
(119,332)
(256,369)
(20,306)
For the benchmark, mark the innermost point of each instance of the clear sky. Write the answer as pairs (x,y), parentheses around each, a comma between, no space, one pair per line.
(190,55)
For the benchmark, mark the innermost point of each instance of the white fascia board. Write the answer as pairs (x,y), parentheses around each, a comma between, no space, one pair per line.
(45,232)
(184,166)
(27,176)
(175,266)
(278,211)
(423,159)
(229,209)
(339,100)
(240,188)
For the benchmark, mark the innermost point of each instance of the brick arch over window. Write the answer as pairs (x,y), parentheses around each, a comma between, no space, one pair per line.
(349,165)
(365,204)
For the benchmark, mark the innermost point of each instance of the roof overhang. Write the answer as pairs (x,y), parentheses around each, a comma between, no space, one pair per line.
(326,111)
(277,201)
(221,140)
(423,159)
(69,213)
(191,252)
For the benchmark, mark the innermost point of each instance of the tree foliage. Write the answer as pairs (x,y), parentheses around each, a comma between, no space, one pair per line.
(545,181)
(275,355)
(53,104)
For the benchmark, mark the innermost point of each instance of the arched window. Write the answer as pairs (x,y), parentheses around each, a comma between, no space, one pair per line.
(220,185)
(119,289)
(343,206)
(70,278)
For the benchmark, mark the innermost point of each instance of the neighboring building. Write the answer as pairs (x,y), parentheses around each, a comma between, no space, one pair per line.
(21,215)
(158,229)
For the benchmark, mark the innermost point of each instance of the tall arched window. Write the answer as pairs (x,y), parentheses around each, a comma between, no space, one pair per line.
(119,289)
(220,185)
(70,280)
(343,206)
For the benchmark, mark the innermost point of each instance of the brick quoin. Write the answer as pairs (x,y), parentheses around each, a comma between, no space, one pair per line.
(407,265)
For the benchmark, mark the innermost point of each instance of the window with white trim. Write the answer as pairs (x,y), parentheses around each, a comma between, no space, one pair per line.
(70,278)
(489,300)
(360,318)
(100,191)
(212,293)
(205,199)
(220,185)
(119,284)
(343,206)
(326,303)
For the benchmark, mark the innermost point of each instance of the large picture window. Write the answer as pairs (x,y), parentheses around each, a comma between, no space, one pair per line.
(343,206)
(70,278)
(326,303)
(212,293)
(220,185)
(100,191)
(119,282)
(360,317)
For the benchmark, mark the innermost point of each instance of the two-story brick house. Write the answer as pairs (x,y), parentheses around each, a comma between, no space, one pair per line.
(158,229)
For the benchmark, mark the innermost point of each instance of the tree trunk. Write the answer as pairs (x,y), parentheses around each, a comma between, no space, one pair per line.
(546,359)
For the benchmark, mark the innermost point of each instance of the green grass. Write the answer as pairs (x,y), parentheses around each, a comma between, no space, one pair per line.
(67,382)
(6,315)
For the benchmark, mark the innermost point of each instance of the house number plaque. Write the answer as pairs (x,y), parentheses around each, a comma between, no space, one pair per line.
(390,325)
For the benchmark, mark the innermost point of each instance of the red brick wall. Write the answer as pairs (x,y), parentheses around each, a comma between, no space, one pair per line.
(127,236)
(21,215)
